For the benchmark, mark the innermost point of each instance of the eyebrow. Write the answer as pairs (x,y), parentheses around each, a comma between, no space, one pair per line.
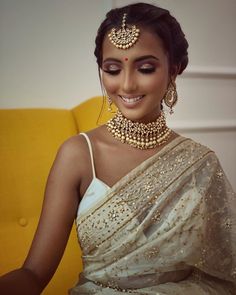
(141,58)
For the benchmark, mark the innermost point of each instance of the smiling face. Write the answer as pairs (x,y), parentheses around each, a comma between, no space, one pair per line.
(136,79)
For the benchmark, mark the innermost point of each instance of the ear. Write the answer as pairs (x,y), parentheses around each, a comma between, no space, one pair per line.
(174,72)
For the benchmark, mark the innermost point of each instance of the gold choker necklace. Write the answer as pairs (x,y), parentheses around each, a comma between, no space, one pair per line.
(139,135)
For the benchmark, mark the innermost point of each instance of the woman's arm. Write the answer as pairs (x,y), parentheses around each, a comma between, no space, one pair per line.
(20,282)
(56,220)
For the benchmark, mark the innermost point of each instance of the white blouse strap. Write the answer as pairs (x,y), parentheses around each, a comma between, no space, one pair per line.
(90,152)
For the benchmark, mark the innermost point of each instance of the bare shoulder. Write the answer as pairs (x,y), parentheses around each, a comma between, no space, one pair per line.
(72,157)
(100,135)
(73,148)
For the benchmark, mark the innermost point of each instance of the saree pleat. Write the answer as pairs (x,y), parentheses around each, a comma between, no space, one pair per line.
(167,227)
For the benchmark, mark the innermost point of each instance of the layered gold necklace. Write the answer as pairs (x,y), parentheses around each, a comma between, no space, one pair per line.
(139,135)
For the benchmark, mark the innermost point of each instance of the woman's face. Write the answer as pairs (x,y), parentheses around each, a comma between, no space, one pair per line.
(136,79)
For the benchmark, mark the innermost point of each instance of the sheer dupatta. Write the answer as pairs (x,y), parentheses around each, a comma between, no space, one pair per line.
(168,227)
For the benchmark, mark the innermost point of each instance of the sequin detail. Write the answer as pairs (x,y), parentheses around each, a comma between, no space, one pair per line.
(173,219)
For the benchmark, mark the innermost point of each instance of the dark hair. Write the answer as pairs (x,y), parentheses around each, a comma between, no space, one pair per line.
(153,18)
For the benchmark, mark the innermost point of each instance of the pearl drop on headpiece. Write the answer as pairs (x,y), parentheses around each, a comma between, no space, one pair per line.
(124,37)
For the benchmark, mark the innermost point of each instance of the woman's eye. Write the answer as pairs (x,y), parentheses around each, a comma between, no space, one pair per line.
(147,70)
(112,69)
(112,72)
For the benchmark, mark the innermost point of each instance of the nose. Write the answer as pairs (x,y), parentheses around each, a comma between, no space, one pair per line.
(129,83)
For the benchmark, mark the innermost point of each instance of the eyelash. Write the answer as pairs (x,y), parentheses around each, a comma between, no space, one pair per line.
(147,70)
(143,71)
(116,72)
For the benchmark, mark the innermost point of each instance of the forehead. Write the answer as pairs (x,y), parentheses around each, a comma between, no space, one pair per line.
(148,44)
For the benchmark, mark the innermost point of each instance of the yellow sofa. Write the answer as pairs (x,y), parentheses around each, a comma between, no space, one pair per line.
(29,139)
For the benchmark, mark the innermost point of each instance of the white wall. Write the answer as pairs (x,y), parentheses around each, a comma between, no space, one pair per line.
(46,52)
(46,60)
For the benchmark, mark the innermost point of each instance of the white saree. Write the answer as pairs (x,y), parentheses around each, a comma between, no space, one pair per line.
(167,227)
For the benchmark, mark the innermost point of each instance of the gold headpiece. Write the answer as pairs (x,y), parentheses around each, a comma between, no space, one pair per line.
(124,38)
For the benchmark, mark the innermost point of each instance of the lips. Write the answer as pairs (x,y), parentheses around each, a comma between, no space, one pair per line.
(129,99)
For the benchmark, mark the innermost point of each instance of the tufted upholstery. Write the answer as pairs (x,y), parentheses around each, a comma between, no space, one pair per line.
(29,139)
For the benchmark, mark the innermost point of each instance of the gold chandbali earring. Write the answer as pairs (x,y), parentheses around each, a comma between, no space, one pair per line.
(124,37)
(171,96)
(109,103)
(139,135)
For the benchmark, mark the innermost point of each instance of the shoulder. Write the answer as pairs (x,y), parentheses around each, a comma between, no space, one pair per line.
(195,146)
(197,152)
(100,137)
(72,156)
(202,154)
(73,147)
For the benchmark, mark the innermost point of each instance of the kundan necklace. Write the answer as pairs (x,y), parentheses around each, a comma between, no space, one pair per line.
(139,135)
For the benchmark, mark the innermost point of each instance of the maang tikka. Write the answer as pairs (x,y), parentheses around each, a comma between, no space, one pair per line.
(124,37)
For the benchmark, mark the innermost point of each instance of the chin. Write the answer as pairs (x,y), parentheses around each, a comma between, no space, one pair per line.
(138,115)
(132,115)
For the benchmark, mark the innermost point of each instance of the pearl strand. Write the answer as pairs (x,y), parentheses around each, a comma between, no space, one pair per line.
(139,135)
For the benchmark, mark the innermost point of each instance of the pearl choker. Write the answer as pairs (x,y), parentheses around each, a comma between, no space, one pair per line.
(139,135)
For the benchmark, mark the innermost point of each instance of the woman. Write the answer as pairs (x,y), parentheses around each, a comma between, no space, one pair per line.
(156,213)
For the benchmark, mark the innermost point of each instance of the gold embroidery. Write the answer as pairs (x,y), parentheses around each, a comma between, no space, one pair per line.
(173,212)
(130,207)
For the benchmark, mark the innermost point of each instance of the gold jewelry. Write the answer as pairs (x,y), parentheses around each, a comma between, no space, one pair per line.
(139,135)
(171,96)
(109,104)
(124,37)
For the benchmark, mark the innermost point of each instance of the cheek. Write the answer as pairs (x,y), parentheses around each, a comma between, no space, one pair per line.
(111,84)
(155,83)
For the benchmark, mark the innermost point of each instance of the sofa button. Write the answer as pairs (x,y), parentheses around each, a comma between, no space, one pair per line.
(23,221)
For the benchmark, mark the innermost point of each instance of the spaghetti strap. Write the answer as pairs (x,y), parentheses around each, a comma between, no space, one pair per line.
(90,152)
